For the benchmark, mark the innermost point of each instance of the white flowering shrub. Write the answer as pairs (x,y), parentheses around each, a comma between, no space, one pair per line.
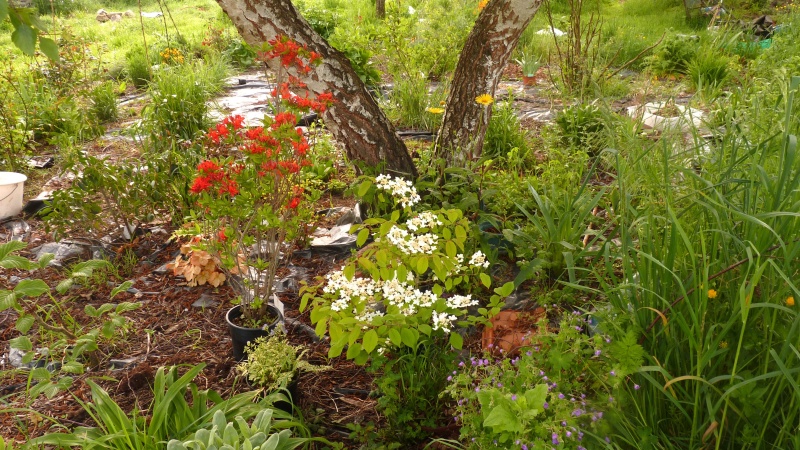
(414,282)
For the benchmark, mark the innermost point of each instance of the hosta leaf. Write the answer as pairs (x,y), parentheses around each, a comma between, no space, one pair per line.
(15,262)
(456,341)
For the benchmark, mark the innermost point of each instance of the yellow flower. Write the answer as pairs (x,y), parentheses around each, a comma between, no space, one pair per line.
(790,301)
(723,344)
(435,110)
(712,293)
(484,99)
(482,4)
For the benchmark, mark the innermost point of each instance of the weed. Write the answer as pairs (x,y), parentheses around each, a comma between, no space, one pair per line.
(104,102)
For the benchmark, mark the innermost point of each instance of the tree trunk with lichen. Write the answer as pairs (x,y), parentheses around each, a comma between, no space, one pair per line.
(355,119)
(480,65)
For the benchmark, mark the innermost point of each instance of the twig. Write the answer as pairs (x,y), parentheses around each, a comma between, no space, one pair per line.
(635,58)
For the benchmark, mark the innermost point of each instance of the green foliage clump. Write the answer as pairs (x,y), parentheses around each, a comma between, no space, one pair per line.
(104,102)
(582,126)
(504,132)
(556,391)
(672,56)
(411,382)
(273,363)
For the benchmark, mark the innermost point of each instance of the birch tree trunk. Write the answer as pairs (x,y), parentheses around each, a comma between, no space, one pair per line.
(355,119)
(480,64)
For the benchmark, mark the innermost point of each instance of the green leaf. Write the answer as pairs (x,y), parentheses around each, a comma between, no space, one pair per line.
(40,373)
(349,271)
(450,249)
(505,290)
(456,341)
(425,329)
(364,187)
(3,10)
(7,300)
(422,265)
(24,323)
(11,246)
(486,280)
(24,37)
(49,48)
(363,235)
(353,350)
(409,337)
(461,233)
(15,262)
(501,418)
(370,341)
(31,288)
(394,336)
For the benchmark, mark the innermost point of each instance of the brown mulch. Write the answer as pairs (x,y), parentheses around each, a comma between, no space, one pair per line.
(165,331)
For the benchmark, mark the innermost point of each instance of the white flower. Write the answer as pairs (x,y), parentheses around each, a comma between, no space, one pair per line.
(425,219)
(412,244)
(361,289)
(461,301)
(401,189)
(367,317)
(443,321)
(478,259)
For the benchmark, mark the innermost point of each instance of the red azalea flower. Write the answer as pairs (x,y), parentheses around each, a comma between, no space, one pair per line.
(254,133)
(221,236)
(222,130)
(284,118)
(301,147)
(214,136)
(208,167)
(294,202)
(200,184)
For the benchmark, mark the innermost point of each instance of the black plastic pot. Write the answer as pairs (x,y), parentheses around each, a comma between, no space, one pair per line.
(241,335)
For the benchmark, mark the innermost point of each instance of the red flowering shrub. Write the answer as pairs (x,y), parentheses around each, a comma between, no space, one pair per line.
(250,202)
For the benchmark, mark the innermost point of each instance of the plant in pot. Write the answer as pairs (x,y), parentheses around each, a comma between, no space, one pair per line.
(529,65)
(273,364)
(250,202)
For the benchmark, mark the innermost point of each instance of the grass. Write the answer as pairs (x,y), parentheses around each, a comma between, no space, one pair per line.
(112,40)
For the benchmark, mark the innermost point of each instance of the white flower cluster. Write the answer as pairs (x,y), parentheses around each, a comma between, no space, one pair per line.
(443,321)
(479,260)
(400,188)
(461,301)
(367,316)
(363,288)
(404,296)
(412,244)
(425,219)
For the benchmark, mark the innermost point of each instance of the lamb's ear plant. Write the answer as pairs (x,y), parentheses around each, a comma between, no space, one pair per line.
(708,277)
(65,344)
(263,433)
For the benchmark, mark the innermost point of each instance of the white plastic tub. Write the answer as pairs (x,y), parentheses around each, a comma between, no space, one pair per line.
(11,186)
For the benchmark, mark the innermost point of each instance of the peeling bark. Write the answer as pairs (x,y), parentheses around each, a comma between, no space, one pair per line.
(480,65)
(355,119)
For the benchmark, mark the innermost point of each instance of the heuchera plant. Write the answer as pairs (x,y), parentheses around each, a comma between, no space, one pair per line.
(408,285)
(249,197)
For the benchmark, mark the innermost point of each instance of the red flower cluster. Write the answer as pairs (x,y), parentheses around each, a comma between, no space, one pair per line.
(212,175)
(222,130)
(290,52)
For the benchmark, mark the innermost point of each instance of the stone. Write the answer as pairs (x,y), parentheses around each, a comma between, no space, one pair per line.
(205,301)
(63,252)
(336,238)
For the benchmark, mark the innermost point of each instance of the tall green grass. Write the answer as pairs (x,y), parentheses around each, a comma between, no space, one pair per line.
(705,275)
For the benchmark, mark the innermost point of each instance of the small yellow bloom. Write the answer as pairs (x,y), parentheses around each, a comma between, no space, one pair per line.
(484,99)
(790,301)
(723,344)
(712,293)
(482,4)
(435,110)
